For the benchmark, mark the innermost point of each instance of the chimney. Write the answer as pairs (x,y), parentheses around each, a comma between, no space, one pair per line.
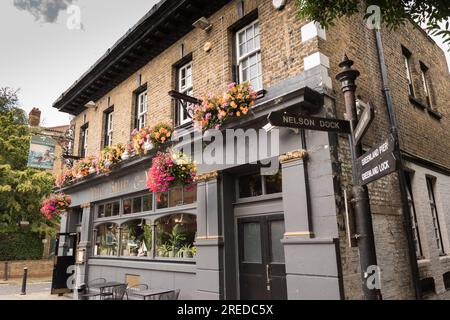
(34,117)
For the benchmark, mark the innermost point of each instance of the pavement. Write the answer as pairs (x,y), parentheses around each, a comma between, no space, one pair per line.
(37,289)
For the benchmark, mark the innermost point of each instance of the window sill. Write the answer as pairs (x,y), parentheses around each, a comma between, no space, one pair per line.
(435,114)
(417,102)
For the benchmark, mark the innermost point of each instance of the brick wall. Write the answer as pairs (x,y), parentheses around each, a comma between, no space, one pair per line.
(36,269)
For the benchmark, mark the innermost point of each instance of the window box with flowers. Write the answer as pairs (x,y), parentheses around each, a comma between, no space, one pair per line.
(149,138)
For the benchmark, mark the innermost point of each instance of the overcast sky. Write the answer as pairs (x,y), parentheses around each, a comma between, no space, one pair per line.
(42,56)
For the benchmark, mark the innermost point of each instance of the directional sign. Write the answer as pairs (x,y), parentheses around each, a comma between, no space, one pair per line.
(377,162)
(364,121)
(292,120)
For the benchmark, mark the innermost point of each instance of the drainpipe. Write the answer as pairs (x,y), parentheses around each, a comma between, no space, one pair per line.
(401,172)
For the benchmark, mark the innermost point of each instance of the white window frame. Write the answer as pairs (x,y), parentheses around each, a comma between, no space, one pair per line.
(186,88)
(85,142)
(408,75)
(435,215)
(426,88)
(256,51)
(109,129)
(142,108)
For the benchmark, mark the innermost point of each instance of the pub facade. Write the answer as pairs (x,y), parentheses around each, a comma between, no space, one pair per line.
(249,229)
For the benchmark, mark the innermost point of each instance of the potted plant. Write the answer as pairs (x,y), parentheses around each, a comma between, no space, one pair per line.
(186,251)
(160,134)
(175,239)
(140,141)
(163,250)
(110,156)
(54,206)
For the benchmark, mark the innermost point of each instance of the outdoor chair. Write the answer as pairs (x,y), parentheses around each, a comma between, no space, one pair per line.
(136,288)
(173,295)
(92,294)
(118,293)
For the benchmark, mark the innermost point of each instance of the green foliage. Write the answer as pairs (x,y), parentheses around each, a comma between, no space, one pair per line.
(434,14)
(20,246)
(21,188)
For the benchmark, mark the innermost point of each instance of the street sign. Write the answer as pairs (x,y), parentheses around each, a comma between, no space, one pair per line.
(292,120)
(377,162)
(364,121)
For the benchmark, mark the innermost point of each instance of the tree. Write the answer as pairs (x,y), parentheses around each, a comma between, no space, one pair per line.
(21,188)
(433,13)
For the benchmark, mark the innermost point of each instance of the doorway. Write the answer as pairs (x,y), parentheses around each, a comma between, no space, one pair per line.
(262,270)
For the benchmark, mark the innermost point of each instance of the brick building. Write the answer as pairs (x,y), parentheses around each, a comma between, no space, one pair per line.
(306,249)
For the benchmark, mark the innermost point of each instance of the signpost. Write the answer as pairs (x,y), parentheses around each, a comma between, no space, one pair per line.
(377,162)
(365,121)
(292,120)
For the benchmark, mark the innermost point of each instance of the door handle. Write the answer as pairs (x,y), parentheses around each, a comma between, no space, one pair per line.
(268,277)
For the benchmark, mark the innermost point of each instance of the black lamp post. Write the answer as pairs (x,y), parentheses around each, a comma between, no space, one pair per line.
(363,217)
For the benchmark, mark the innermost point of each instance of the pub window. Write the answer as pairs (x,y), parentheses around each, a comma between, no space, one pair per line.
(254,185)
(435,215)
(425,83)
(407,61)
(428,286)
(84,134)
(175,236)
(248,49)
(185,86)
(177,196)
(106,240)
(110,209)
(109,127)
(136,238)
(141,110)
(412,210)
(138,204)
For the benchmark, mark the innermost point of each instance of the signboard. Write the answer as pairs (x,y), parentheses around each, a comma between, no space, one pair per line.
(292,120)
(364,121)
(42,152)
(377,162)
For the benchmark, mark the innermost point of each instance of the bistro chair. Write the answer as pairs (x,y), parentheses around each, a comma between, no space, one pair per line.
(92,294)
(136,288)
(118,293)
(173,295)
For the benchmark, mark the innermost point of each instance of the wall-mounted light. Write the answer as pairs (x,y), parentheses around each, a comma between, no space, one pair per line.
(203,24)
(279,4)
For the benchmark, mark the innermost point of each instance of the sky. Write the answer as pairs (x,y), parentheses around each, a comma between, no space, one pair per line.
(46,45)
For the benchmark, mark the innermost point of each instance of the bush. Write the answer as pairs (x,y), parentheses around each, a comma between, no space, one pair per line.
(20,246)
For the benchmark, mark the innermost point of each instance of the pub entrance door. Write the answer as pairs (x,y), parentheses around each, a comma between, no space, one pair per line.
(66,244)
(262,271)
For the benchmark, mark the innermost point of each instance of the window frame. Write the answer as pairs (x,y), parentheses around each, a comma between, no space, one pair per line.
(84,139)
(186,89)
(407,63)
(264,193)
(426,85)
(109,127)
(414,220)
(431,183)
(141,109)
(255,51)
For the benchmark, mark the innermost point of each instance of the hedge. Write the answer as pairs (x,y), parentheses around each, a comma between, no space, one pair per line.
(20,246)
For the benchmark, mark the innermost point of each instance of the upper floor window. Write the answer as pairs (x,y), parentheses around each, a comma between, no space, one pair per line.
(185,86)
(109,127)
(141,110)
(435,215)
(426,87)
(412,209)
(84,135)
(248,48)
(255,185)
(407,62)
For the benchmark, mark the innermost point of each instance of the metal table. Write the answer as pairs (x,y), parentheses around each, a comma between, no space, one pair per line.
(151,293)
(106,285)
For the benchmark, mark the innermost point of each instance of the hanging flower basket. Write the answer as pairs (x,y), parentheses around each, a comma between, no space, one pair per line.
(170,169)
(54,206)
(160,134)
(148,138)
(214,111)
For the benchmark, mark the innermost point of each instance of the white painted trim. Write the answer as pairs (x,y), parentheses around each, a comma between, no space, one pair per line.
(312,30)
(316,59)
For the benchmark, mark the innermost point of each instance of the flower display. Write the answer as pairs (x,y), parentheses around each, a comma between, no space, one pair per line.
(170,169)
(53,207)
(214,111)
(64,178)
(141,140)
(85,167)
(160,134)
(110,156)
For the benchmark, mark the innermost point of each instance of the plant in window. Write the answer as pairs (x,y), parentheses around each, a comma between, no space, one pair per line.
(186,251)
(54,206)
(176,237)
(110,156)
(214,111)
(170,169)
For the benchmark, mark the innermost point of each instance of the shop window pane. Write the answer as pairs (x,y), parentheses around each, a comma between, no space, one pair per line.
(175,236)
(274,183)
(108,210)
(136,238)
(101,211)
(162,200)
(190,195)
(276,247)
(127,206)
(137,205)
(147,203)
(250,186)
(252,243)
(106,242)
(115,208)
(175,197)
